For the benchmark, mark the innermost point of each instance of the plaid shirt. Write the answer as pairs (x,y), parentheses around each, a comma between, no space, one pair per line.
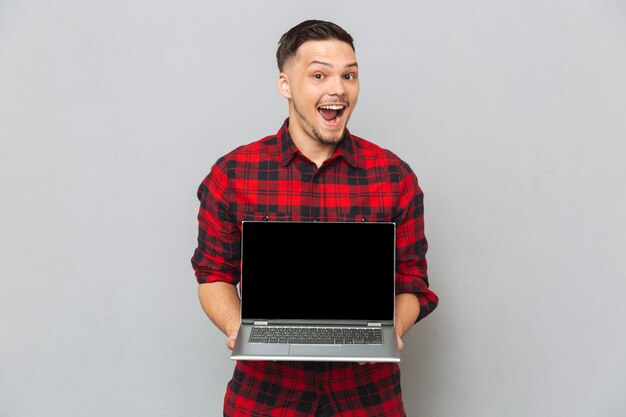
(271,180)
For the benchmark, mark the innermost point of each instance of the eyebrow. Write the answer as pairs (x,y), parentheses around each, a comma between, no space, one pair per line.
(354,64)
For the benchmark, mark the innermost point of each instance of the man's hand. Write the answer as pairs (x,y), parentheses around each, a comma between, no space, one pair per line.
(407,311)
(220,302)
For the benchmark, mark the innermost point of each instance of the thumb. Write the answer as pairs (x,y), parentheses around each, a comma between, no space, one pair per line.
(230,342)
(400,343)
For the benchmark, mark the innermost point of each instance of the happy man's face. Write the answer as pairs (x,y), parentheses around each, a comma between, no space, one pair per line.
(322,85)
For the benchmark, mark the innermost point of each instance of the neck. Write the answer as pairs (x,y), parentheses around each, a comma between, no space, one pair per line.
(316,152)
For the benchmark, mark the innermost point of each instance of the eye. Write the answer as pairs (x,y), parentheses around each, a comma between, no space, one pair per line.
(349,76)
(318,76)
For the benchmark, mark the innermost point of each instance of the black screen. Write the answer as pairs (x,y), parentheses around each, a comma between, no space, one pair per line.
(321,271)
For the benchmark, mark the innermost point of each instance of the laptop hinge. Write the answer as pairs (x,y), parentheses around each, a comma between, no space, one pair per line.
(261,323)
(374,324)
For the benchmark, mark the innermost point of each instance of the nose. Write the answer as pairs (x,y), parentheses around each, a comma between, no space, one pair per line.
(337,87)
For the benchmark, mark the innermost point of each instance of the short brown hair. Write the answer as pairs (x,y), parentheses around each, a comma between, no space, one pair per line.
(308,30)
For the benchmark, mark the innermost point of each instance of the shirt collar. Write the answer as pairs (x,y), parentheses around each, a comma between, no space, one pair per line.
(288,149)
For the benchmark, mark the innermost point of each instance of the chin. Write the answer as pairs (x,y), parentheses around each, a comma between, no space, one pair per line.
(332,141)
(330,136)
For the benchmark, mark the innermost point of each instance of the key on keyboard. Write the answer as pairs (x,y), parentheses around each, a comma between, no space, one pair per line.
(316,335)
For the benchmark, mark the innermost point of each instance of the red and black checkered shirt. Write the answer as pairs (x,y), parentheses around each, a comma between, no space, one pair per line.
(271,179)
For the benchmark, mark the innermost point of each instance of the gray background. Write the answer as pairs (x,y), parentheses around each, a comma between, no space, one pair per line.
(510,112)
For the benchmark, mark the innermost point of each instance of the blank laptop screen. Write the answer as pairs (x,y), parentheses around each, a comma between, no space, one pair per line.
(318,271)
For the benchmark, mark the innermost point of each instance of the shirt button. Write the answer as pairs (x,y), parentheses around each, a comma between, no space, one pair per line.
(316,180)
(316,220)
(266,218)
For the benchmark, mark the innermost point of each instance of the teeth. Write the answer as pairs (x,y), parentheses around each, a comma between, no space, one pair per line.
(331,107)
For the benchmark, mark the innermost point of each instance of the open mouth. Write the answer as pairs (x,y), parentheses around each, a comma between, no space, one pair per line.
(331,113)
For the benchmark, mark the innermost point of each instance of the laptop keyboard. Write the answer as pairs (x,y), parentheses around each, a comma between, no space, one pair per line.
(317,335)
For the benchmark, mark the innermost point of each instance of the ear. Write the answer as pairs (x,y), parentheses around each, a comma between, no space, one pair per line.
(283,85)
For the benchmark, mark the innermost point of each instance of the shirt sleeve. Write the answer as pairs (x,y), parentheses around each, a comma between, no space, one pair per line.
(411,244)
(217,257)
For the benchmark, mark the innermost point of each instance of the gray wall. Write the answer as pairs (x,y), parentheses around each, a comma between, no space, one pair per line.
(511,113)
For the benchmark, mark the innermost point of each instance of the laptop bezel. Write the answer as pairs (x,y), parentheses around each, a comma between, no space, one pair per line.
(318,322)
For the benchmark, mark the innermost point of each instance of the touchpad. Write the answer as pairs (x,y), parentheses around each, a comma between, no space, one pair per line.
(314,350)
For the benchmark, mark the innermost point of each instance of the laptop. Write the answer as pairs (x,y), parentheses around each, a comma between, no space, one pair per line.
(317,291)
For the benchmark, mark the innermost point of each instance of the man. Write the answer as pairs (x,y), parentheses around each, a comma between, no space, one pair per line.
(313,169)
